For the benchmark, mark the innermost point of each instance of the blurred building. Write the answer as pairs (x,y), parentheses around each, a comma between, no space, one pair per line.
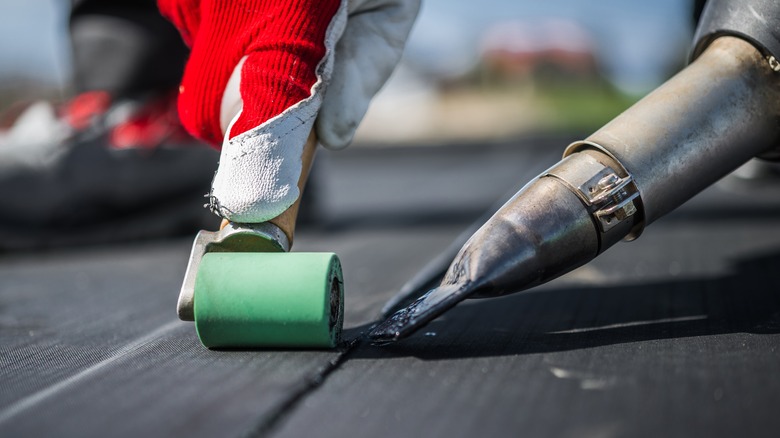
(528,77)
(556,49)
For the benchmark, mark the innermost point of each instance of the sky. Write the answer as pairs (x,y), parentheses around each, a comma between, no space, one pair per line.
(638,40)
(32,39)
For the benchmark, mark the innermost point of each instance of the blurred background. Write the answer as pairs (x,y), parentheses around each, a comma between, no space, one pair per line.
(472,70)
(97,158)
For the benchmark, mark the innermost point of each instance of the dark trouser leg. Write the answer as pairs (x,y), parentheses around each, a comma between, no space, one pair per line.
(124,47)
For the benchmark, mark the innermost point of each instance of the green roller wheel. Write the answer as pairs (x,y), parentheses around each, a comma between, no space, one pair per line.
(250,300)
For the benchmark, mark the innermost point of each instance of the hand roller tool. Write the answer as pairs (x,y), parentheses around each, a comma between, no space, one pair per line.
(244,289)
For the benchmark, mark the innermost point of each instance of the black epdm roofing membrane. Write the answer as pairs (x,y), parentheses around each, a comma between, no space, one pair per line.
(676,334)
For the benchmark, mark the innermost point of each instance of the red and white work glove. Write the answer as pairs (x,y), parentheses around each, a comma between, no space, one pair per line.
(256,83)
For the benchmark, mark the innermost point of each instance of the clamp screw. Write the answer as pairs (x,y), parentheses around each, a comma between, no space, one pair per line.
(774,64)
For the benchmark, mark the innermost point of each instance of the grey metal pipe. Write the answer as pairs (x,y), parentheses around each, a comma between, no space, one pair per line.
(700,125)
(703,123)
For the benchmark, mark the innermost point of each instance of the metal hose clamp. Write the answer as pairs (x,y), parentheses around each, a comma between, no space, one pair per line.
(610,196)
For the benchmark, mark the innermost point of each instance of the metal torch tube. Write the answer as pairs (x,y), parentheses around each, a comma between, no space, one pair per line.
(706,121)
(710,118)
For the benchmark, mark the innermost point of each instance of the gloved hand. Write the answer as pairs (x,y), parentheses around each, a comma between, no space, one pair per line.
(256,82)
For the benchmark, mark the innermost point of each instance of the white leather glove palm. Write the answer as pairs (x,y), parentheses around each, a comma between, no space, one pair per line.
(259,169)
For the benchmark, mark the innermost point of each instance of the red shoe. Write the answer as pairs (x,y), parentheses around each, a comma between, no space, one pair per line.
(96,170)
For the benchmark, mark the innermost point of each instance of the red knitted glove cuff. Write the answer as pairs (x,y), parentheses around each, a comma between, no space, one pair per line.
(282,39)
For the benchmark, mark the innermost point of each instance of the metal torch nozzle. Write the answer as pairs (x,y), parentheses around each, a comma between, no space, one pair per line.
(559,221)
(706,121)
